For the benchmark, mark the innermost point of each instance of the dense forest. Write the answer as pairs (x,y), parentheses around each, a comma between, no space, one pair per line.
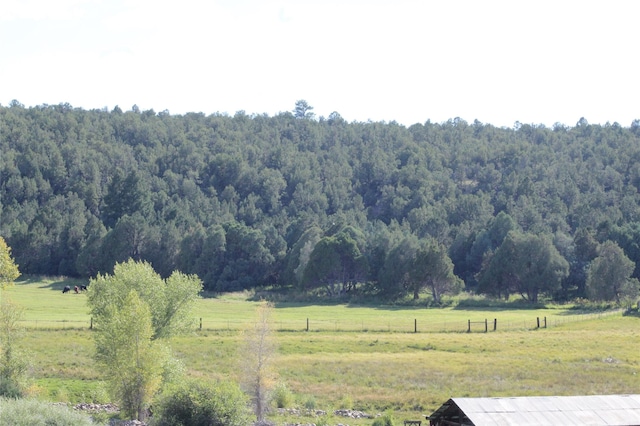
(308,203)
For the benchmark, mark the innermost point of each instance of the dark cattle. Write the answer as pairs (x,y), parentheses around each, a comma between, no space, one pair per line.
(66,289)
(76,289)
(83,288)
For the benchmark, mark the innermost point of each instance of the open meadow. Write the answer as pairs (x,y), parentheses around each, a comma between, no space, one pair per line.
(406,360)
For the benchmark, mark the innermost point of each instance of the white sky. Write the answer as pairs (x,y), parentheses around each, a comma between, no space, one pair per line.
(538,62)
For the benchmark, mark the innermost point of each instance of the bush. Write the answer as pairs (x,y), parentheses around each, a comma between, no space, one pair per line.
(10,388)
(201,404)
(31,412)
(282,396)
(385,420)
(310,403)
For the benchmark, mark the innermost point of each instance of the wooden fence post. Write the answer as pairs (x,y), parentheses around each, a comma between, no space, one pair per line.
(415,325)
(91,324)
(307,324)
(486,325)
(200,323)
(545,322)
(495,324)
(469,327)
(537,322)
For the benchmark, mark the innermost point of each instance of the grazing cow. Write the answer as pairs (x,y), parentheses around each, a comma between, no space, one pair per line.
(83,288)
(66,289)
(76,289)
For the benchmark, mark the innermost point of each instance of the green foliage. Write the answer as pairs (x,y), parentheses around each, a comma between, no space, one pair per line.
(282,396)
(303,109)
(14,362)
(228,197)
(125,196)
(413,266)
(30,412)
(597,349)
(132,361)
(310,402)
(132,310)
(169,301)
(525,264)
(8,269)
(433,269)
(386,420)
(336,263)
(609,277)
(196,403)
(395,278)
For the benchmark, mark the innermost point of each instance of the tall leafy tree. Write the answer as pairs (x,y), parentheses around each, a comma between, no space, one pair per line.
(13,364)
(132,360)
(170,300)
(8,269)
(432,269)
(336,263)
(395,277)
(133,311)
(527,264)
(609,277)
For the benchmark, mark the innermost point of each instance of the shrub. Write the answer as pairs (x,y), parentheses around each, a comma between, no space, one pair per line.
(310,403)
(31,412)
(10,388)
(282,396)
(201,404)
(385,420)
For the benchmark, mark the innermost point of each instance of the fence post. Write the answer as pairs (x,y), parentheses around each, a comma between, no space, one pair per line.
(486,326)
(307,324)
(415,325)
(91,324)
(200,323)
(495,324)
(537,322)
(545,322)
(469,327)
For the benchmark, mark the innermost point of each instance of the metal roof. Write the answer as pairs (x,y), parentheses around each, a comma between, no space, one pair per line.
(600,410)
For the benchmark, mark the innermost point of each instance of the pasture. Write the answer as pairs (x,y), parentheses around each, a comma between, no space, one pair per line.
(365,358)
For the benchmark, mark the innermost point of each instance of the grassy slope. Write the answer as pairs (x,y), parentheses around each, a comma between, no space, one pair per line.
(410,373)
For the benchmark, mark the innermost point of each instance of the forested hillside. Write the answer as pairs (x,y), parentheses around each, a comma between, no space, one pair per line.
(250,200)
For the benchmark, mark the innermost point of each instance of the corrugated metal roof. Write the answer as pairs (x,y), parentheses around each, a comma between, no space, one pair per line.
(614,410)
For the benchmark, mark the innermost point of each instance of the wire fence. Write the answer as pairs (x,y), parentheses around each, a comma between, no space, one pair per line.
(415,325)
(369,324)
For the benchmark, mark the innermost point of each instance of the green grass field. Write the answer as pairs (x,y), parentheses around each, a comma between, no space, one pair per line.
(367,357)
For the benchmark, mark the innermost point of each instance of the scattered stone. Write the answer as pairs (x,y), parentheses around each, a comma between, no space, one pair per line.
(96,408)
(352,414)
(127,423)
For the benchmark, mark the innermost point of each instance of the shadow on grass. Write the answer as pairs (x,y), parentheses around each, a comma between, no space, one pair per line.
(51,283)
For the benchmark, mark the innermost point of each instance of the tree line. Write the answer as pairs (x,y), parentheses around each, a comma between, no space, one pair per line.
(322,204)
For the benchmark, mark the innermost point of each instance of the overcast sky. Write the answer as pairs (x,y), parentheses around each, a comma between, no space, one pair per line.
(537,62)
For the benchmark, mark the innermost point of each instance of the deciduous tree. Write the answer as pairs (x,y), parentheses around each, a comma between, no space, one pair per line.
(14,363)
(170,301)
(132,360)
(8,269)
(257,356)
(132,310)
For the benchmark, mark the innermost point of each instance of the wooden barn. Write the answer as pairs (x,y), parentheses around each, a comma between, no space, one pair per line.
(620,410)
